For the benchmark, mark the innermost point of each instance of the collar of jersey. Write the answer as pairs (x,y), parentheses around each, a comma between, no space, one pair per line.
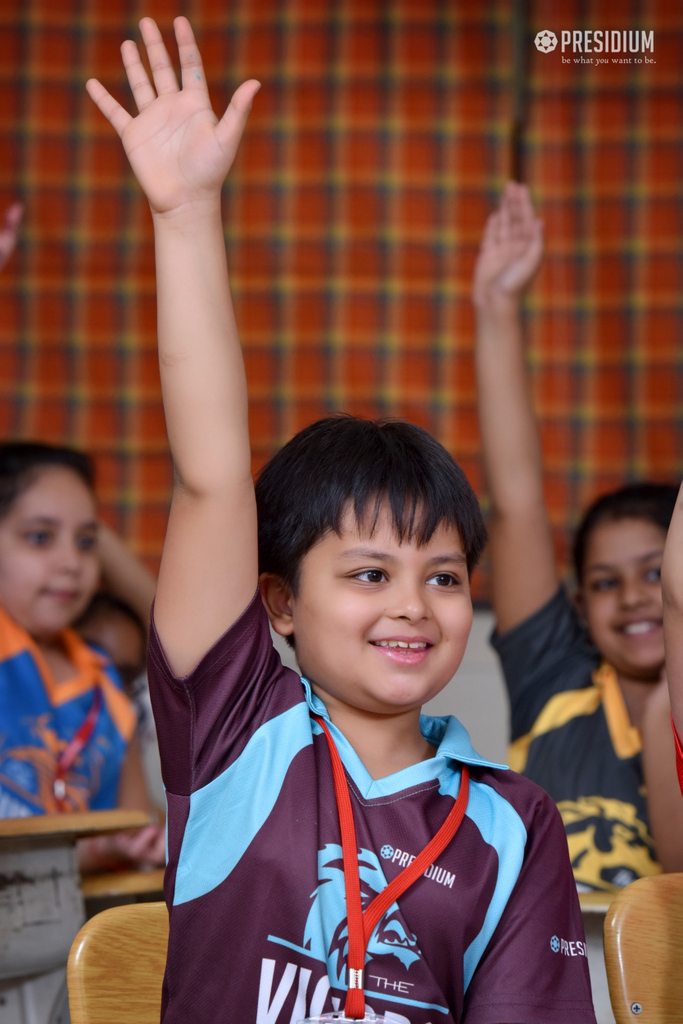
(446,733)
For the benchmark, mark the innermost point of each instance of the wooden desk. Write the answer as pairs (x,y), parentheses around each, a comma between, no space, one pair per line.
(112,884)
(41,903)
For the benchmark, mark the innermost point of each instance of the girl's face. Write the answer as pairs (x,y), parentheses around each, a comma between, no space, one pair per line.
(49,567)
(621,595)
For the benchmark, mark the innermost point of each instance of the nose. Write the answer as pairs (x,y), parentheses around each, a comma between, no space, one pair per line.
(408,601)
(69,557)
(632,593)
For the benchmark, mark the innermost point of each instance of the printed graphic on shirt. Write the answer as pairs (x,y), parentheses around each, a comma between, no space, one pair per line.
(609,846)
(27,771)
(326,933)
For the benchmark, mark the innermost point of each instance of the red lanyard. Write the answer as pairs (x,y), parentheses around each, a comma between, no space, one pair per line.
(76,744)
(362,924)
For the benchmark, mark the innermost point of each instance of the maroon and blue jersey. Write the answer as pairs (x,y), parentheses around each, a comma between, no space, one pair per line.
(490,934)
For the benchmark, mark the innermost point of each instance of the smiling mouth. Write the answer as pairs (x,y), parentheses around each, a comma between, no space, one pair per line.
(641,628)
(63,595)
(417,645)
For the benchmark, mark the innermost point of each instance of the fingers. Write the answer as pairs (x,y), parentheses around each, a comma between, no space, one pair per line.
(140,85)
(191,67)
(118,118)
(13,216)
(159,61)
(230,127)
(519,223)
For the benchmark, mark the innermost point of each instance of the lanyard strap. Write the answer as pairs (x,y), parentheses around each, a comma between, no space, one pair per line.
(76,744)
(362,924)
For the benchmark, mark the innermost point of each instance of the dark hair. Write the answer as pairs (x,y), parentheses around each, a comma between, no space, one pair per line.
(105,602)
(652,502)
(21,462)
(346,462)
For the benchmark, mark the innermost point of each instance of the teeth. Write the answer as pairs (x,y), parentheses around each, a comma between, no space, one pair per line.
(634,628)
(418,646)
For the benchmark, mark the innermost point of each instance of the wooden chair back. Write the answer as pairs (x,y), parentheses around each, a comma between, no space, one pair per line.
(643,951)
(116,966)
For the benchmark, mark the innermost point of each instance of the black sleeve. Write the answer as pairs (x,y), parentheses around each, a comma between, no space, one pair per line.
(545,654)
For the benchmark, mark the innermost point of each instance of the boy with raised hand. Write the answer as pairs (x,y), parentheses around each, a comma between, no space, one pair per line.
(327,845)
(584,677)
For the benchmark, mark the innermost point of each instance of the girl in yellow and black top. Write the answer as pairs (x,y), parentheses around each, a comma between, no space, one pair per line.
(66,725)
(584,675)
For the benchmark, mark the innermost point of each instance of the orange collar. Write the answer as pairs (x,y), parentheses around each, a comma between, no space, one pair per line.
(626,738)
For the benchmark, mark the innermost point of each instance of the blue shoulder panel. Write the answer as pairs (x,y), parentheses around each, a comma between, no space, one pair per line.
(211,848)
(502,828)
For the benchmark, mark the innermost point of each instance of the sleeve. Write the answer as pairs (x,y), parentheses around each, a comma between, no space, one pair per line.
(545,654)
(679,757)
(535,968)
(204,720)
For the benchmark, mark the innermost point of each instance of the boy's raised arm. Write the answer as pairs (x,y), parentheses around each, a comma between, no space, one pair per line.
(523,563)
(180,153)
(672,597)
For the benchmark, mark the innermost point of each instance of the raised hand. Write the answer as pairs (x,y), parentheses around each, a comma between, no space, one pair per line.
(179,151)
(9,230)
(511,248)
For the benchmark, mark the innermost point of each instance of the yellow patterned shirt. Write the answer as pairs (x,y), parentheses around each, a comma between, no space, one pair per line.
(572,735)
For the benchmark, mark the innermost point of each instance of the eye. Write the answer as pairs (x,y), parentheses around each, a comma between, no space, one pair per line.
(444,579)
(38,538)
(654,575)
(604,583)
(371,576)
(87,542)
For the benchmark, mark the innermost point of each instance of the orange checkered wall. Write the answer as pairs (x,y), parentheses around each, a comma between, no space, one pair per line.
(375,149)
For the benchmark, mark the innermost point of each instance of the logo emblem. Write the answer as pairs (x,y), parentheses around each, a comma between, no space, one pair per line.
(545,41)
(555,944)
(387,852)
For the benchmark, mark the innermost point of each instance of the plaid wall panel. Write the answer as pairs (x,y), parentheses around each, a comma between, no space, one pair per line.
(604,157)
(374,152)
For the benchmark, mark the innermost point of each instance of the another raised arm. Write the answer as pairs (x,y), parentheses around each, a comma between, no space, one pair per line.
(523,564)
(180,153)
(672,596)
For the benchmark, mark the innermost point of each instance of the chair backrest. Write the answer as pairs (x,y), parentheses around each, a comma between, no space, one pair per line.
(116,966)
(644,951)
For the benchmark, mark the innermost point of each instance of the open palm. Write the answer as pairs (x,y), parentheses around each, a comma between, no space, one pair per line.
(179,150)
(512,246)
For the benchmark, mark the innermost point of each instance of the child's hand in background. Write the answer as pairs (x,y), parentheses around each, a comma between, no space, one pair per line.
(179,151)
(145,848)
(511,249)
(9,231)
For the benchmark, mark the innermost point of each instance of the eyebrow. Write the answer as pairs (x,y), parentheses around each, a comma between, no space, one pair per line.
(383,556)
(602,566)
(50,521)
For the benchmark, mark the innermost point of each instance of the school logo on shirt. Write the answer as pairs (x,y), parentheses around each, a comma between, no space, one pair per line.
(326,933)
(573,948)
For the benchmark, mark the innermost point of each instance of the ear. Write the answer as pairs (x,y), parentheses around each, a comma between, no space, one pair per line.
(277,600)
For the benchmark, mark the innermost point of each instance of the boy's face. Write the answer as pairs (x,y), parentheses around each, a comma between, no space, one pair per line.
(621,595)
(379,625)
